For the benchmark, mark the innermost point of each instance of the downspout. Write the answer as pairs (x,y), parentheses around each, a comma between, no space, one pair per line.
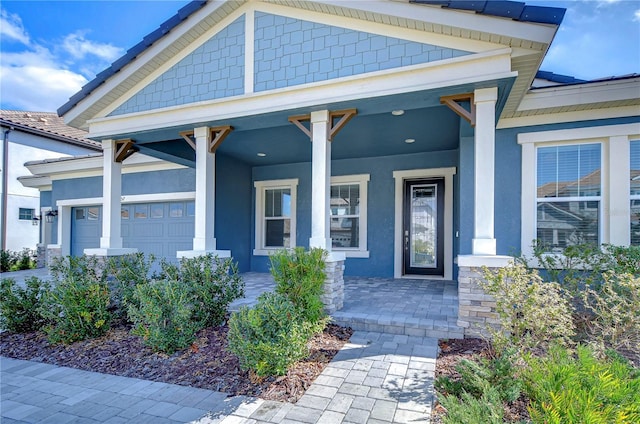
(5,184)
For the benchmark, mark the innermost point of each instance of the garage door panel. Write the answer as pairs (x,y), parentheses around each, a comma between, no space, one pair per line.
(160,229)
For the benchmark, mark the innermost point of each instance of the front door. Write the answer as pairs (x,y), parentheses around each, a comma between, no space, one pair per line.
(423,230)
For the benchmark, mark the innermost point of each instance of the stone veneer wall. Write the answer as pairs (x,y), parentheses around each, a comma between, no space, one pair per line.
(476,309)
(333,297)
(41,256)
(52,253)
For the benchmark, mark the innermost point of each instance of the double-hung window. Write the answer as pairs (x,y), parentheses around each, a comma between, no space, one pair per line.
(569,190)
(634,147)
(275,215)
(349,214)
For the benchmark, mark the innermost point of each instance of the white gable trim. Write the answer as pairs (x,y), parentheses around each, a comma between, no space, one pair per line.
(460,70)
(468,20)
(578,115)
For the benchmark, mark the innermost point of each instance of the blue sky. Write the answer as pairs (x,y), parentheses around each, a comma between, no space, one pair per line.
(50,49)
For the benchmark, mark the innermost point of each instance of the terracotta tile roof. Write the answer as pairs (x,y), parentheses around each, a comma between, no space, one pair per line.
(47,124)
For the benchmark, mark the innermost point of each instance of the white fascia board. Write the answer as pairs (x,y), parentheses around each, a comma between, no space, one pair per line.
(541,33)
(42,183)
(574,116)
(92,166)
(145,57)
(457,71)
(579,94)
(377,28)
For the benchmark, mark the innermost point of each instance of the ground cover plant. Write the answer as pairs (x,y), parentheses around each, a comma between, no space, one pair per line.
(570,336)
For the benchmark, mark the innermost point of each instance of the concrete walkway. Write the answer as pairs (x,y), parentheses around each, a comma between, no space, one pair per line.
(376,378)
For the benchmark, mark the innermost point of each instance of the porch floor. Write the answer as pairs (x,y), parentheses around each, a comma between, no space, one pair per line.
(424,308)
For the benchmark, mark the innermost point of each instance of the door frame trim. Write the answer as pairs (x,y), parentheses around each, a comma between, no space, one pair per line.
(400,177)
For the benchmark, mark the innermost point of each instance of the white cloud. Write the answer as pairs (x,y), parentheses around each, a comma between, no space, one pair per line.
(79,47)
(636,16)
(38,88)
(11,27)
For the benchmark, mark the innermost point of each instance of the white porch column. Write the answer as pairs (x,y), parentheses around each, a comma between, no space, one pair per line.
(484,242)
(111,240)
(619,189)
(204,240)
(321,180)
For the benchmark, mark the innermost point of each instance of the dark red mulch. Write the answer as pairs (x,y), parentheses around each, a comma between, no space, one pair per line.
(452,351)
(206,364)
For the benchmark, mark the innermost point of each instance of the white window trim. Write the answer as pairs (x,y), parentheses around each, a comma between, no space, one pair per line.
(399,177)
(615,205)
(362,180)
(261,187)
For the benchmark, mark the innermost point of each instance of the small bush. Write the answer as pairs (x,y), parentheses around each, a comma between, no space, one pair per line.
(17,261)
(615,313)
(20,307)
(162,315)
(532,313)
(214,283)
(299,275)
(269,337)
(127,272)
(78,306)
(582,390)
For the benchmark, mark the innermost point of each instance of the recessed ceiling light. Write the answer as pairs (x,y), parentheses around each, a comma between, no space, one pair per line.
(262,154)
(410,140)
(397,112)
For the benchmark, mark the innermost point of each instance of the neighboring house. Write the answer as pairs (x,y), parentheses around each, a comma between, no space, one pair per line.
(29,136)
(408,138)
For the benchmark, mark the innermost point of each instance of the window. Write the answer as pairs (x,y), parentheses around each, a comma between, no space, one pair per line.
(26,214)
(275,215)
(157,210)
(124,212)
(568,195)
(349,214)
(634,177)
(581,185)
(141,212)
(176,210)
(93,214)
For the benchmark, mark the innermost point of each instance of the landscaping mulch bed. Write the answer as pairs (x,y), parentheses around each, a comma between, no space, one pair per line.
(206,364)
(451,352)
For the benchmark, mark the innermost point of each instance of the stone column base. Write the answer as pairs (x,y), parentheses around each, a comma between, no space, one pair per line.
(53,251)
(333,295)
(41,256)
(476,309)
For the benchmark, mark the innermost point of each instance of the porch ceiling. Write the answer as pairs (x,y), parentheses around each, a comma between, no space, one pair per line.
(373,132)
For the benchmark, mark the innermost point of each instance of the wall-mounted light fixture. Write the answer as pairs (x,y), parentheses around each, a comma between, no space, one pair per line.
(49,216)
(36,220)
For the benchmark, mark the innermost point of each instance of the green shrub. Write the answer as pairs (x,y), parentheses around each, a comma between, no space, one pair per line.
(214,283)
(532,313)
(126,272)
(299,275)
(467,409)
(78,305)
(582,390)
(162,315)
(20,307)
(497,373)
(269,337)
(6,260)
(17,261)
(615,313)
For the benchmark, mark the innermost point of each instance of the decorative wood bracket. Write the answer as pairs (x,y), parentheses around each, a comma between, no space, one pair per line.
(344,115)
(453,103)
(124,149)
(188,137)
(218,134)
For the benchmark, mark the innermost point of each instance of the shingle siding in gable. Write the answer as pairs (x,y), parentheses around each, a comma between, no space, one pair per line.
(214,70)
(291,52)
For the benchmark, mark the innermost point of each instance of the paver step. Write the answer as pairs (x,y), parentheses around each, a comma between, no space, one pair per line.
(399,324)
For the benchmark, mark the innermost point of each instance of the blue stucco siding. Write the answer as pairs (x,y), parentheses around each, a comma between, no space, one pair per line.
(381,203)
(233,209)
(212,71)
(291,52)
